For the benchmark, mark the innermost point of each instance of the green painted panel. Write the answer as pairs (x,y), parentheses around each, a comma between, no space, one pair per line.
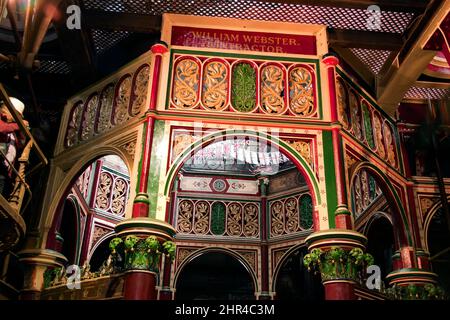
(243,87)
(218,218)
(155,166)
(330,176)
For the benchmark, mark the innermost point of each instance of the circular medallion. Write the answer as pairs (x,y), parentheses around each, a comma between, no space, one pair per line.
(219,185)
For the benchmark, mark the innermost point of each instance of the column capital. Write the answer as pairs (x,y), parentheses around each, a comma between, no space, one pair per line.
(159,48)
(330,60)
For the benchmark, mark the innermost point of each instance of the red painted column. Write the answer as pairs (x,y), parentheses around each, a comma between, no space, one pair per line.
(339,290)
(141,284)
(343,218)
(166,293)
(141,202)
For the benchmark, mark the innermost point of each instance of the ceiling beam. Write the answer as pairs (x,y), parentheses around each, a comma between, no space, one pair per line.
(141,23)
(412,60)
(356,64)
(364,39)
(388,5)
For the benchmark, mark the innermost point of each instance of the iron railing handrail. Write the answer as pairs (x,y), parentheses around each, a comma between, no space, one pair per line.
(22,126)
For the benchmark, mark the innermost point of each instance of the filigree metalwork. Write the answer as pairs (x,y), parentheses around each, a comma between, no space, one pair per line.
(74,124)
(234,219)
(342,104)
(251,226)
(184,217)
(378,136)
(390,145)
(140,89)
(301,93)
(306,212)
(303,148)
(215,86)
(119,196)
(201,217)
(186,83)
(104,189)
(243,87)
(105,108)
(277,218)
(367,119)
(292,215)
(87,126)
(122,100)
(355,115)
(272,89)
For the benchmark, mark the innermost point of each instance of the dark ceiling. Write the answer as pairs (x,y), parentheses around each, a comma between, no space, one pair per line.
(115,32)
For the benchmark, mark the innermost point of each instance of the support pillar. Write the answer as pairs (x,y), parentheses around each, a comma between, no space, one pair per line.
(339,257)
(265,290)
(343,217)
(142,238)
(36,262)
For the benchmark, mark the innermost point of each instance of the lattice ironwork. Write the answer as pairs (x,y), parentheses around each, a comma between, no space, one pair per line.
(374,59)
(104,40)
(342,18)
(54,66)
(427,93)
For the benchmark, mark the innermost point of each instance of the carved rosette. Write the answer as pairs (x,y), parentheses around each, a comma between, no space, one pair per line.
(301,92)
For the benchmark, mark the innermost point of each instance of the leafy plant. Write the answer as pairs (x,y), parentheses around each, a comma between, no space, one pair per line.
(244,87)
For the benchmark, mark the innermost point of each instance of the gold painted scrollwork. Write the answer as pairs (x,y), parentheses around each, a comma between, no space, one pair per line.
(201,217)
(303,148)
(378,136)
(185,215)
(342,104)
(292,216)
(186,83)
(272,89)
(234,219)
(140,90)
(119,196)
(102,200)
(277,218)
(74,124)
(215,86)
(251,226)
(301,94)
(106,103)
(122,101)
(390,145)
(87,128)
(356,115)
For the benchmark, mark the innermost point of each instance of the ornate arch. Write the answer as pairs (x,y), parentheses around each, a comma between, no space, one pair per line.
(426,225)
(67,181)
(197,253)
(282,261)
(284,147)
(391,195)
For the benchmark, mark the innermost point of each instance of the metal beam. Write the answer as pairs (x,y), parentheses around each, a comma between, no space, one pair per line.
(365,39)
(357,65)
(412,60)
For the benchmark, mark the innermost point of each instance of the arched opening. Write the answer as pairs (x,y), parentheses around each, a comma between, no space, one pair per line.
(380,245)
(295,282)
(67,235)
(100,254)
(93,204)
(371,192)
(439,247)
(215,276)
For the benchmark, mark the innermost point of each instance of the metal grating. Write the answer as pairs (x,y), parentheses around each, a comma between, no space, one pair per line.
(104,40)
(55,67)
(374,59)
(340,18)
(427,93)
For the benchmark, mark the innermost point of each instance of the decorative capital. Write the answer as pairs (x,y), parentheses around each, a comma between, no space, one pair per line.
(330,60)
(159,48)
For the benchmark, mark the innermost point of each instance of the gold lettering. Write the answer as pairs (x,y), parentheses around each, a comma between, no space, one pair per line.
(270,40)
(257,39)
(279,49)
(246,47)
(247,38)
(285,41)
(235,37)
(292,42)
